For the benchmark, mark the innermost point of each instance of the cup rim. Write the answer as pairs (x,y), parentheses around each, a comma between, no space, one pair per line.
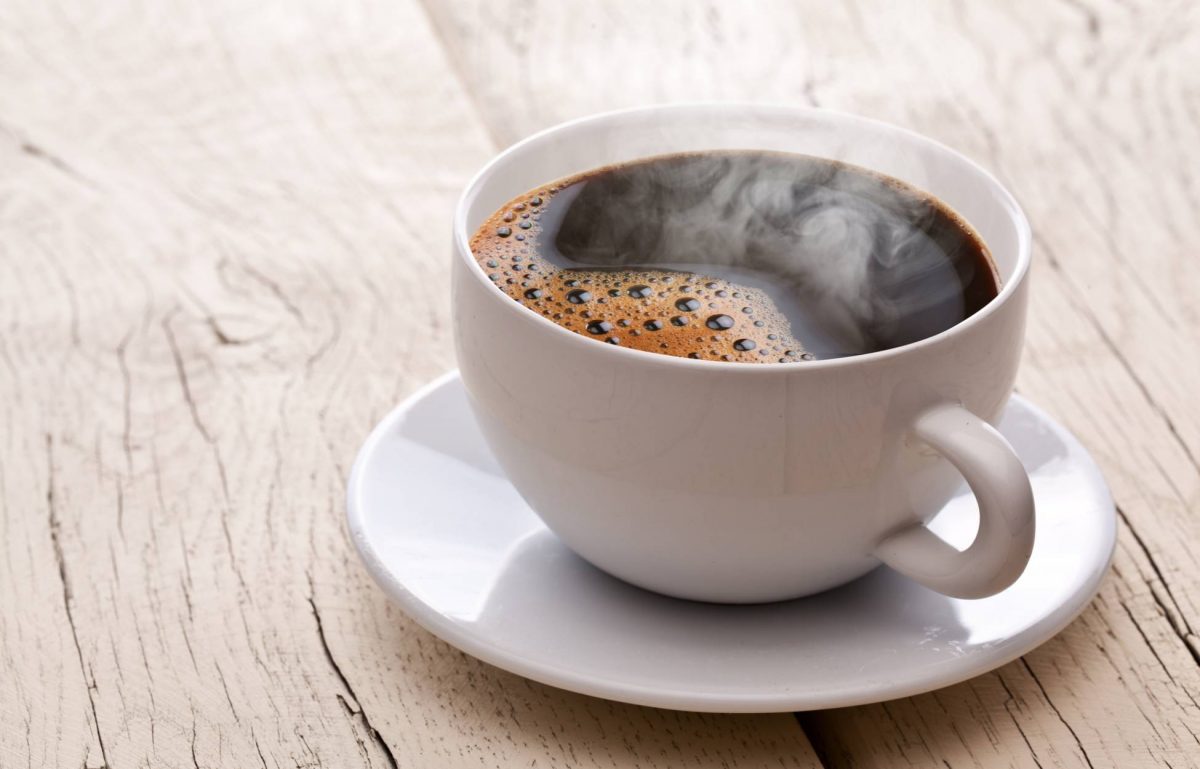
(462,238)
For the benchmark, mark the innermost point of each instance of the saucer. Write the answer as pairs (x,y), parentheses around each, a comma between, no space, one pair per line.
(440,528)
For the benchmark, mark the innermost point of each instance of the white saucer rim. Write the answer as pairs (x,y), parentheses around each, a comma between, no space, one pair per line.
(955,671)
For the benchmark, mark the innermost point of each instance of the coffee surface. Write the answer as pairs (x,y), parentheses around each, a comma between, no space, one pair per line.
(742,256)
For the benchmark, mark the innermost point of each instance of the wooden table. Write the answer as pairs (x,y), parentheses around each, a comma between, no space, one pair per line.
(223,256)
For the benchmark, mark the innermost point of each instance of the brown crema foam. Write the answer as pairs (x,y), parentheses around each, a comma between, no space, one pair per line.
(660,255)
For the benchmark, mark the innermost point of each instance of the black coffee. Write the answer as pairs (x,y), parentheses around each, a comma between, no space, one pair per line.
(739,256)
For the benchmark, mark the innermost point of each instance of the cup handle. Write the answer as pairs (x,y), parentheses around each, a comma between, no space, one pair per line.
(1006,512)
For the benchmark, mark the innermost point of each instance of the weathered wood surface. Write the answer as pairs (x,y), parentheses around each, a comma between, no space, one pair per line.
(223,240)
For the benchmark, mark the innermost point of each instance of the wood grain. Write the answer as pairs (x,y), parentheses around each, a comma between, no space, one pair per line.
(223,240)
(1090,111)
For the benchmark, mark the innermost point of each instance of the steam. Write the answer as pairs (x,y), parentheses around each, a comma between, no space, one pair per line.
(854,262)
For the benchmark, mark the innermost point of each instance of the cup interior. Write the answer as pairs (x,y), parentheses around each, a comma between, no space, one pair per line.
(620,137)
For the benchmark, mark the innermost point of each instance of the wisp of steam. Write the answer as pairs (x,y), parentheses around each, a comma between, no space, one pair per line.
(857,262)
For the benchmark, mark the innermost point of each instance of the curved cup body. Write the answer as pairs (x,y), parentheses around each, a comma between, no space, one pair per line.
(723,481)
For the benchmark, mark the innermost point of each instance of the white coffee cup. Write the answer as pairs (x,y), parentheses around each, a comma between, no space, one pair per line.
(735,482)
